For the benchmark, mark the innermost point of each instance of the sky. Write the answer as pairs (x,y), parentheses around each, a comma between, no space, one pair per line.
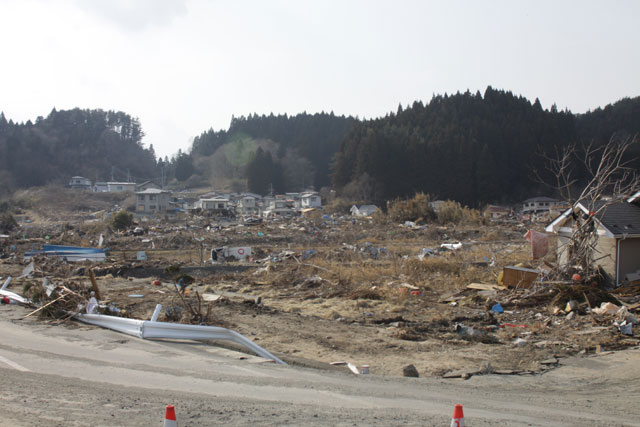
(185,66)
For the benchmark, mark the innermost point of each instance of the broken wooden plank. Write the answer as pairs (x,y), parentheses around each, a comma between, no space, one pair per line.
(485,286)
(94,284)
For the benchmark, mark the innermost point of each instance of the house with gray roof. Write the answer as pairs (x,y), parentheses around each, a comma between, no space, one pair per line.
(617,224)
(152,200)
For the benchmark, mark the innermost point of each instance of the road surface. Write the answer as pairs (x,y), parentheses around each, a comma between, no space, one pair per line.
(78,375)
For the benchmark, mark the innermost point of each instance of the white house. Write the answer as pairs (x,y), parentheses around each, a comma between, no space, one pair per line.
(100,187)
(538,204)
(277,207)
(310,200)
(213,204)
(119,187)
(80,183)
(363,210)
(247,205)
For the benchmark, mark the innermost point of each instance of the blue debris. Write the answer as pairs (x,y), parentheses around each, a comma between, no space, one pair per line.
(497,308)
(308,254)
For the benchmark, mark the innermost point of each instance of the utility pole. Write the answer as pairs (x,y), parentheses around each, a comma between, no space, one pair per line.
(128,176)
(112,173)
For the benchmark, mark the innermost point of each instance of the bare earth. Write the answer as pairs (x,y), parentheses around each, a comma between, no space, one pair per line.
(86,376)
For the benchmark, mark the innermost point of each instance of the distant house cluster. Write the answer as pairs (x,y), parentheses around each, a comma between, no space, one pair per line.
(250,204)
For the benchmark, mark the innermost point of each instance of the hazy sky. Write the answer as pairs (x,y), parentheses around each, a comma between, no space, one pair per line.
(184,66)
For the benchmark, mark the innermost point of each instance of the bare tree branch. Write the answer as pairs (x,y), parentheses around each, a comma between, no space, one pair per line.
(610,180)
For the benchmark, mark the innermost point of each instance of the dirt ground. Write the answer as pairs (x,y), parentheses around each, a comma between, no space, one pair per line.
(319,290)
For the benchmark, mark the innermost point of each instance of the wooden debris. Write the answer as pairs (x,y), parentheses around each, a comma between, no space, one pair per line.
(519,277)
(485,286)
(94,284)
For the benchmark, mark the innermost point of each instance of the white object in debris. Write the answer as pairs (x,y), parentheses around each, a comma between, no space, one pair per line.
(48,287)
(239,253)
(28,269)
(452,246)
(92,305)
(151,330)
(353,368)
(519,342)
(101,241)
(142,256)
(6,283)
(606,308)
(15,297)
(156,313)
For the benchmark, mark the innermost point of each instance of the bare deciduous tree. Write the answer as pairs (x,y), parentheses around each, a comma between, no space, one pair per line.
(610,180)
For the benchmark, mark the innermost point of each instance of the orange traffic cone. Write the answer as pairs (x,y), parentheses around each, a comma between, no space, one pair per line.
(170,417)
(458,417)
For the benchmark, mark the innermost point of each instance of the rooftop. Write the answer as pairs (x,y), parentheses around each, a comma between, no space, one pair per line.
(152,191)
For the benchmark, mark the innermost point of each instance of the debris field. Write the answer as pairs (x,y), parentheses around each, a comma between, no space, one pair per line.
(324,289)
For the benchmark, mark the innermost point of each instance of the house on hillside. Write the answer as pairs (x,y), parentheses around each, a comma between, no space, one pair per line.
(248,205)
(152,200)
(617,249)
(278,207)
(215,205)
(119,187)
(100,187)
(148,184)
(184,203)
(363,210)
(310,200)
(80,183)
(538,205)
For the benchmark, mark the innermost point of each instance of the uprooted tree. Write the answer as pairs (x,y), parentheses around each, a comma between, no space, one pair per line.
(591,180)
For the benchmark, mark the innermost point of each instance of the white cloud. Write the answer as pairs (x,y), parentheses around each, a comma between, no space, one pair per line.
(135,15)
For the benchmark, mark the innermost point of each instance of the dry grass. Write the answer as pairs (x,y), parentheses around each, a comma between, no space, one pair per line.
(51,201)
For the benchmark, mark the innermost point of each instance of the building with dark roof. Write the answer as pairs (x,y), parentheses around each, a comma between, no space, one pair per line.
(617,224)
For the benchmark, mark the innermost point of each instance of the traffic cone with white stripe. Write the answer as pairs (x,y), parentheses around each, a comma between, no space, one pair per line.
(170,417)
(458,417)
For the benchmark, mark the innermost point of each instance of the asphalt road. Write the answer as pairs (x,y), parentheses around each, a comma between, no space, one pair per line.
(78,375)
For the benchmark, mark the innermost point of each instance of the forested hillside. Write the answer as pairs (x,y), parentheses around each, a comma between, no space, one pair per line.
(297,149)
(468,147)
(473,148)
(91,143)
(620,120)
